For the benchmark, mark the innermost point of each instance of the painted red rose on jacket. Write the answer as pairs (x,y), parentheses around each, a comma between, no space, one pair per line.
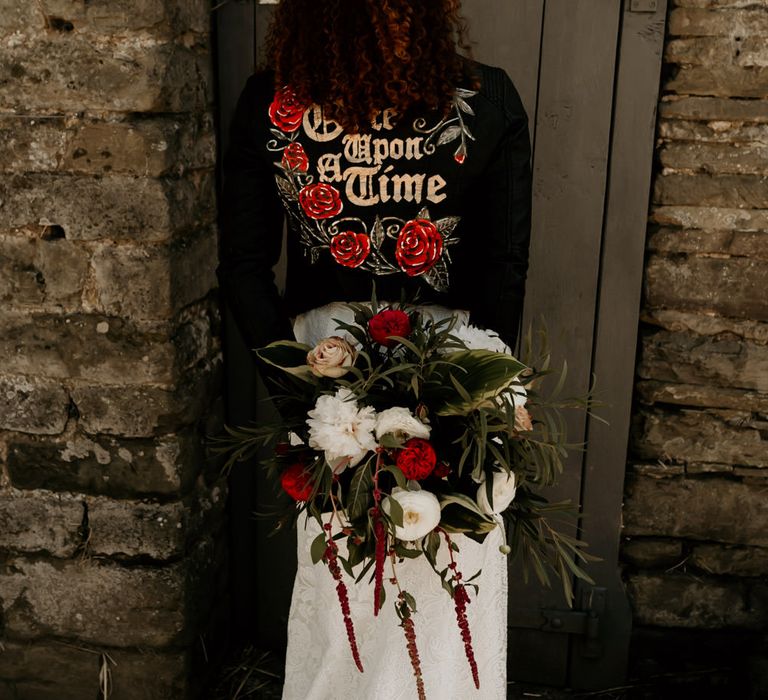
(295,157)
(286,111)
(350,249)
(320,201)
(419,247)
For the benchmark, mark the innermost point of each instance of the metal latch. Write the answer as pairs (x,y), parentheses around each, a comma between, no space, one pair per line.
(643,5)
(583,620)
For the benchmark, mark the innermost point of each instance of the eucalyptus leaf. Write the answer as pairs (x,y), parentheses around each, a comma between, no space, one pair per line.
(318,547)
(394,510)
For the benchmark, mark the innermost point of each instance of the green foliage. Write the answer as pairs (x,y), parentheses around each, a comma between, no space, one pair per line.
(467,397)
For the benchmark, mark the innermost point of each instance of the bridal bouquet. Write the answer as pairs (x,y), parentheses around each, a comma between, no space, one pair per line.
(403,432)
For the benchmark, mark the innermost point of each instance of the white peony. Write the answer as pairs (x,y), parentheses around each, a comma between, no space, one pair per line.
(480,339)
(421,513)
(341,429)
(503,493)
(401,423)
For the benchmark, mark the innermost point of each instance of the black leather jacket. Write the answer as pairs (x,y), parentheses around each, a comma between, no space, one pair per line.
(437,204)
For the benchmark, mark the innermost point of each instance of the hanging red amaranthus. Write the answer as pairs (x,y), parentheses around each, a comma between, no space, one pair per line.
(460,600)
(413,652)
(331,559)
(380,533)
(405,607)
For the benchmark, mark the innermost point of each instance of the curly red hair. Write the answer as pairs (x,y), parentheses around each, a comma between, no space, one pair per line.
(357,57)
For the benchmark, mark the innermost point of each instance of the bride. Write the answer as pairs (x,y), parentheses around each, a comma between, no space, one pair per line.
(399,163)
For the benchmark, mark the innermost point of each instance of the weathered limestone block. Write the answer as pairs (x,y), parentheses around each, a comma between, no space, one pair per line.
(720,159)
(693,468)
(702,508)
(117,207)
(733,561)
(720,81)
(146,147)
(715,4)
(745,191)
(720,357)
(32,405)
(728,286)
(646,553)
(703,396)
(712,435)
(165,465)
(42,273)
(158,17)
(72,73)
(35,671)
(711,217)
(712,108)
(704,22)
(685,601)
(64,524)
(657,470)
(714,131)
(705,325)
(713,51)
(144,283)
(143,411)
(746,244)
(93,601)
(40,521)
(96,348)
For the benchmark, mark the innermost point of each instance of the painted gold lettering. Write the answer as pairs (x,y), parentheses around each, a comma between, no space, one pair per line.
(407,187)
(435,183)
(359,187)
(329,167)
(317,127)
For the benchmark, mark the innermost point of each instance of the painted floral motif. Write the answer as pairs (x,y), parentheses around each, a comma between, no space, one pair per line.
(350,249)
(320,201)
(295,158)
(286,111)
(417,247)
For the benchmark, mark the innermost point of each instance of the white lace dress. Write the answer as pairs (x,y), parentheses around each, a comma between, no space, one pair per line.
(319,664)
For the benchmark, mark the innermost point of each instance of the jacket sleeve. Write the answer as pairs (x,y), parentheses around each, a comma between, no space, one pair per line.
(502,214)
(251,226)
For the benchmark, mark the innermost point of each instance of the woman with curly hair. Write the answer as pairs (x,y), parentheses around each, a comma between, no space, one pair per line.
(403,164)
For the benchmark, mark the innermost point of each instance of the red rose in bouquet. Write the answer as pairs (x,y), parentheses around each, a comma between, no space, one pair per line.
(296,482)
(388,323)
(417,459)
(419,247)
(350,249)
(286,111)
(295,158)
(320,201)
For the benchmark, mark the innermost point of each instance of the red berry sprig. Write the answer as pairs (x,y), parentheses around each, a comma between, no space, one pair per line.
(405,606)
(380,531)
(331,559)
(460,600)
(413,652)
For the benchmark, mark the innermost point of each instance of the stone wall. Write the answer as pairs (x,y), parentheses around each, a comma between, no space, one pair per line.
(696,509)
(108,347)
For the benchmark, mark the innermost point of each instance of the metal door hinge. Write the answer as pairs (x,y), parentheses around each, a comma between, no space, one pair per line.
(643,5)
(582,620)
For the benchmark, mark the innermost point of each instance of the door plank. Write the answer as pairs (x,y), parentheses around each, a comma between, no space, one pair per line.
(634,121)
(573,122)
(235,51)
(510,37)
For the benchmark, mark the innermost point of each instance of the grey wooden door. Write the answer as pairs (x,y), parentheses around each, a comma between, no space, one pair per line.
(588,73)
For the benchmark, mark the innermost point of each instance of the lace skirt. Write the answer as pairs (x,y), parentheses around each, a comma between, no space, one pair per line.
(319,664)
